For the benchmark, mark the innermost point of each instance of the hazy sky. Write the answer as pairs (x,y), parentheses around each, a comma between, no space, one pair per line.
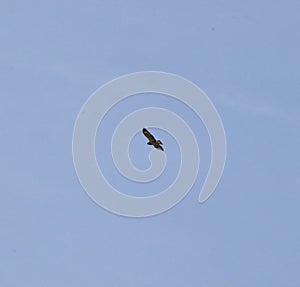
(243,54)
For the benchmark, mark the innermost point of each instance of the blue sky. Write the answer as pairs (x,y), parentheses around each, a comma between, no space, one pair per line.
(244,55)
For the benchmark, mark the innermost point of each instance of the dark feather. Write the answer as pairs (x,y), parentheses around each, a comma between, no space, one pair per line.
(149,136)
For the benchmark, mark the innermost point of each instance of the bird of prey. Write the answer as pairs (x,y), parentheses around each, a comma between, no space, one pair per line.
(152,141)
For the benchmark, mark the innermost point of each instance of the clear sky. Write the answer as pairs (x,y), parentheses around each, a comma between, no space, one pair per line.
(243,54)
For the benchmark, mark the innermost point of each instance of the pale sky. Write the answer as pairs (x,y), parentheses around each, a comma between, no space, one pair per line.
(244,55)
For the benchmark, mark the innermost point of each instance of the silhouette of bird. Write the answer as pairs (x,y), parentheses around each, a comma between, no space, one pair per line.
(152,141)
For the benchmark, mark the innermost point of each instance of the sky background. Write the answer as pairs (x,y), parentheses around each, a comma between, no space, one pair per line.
(244,54)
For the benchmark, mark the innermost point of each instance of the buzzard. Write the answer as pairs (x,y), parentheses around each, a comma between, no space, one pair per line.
(152,141)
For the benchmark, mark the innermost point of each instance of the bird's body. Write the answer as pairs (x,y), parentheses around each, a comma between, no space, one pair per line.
(152,141)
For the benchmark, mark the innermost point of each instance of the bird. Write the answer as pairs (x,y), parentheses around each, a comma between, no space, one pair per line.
(152,141)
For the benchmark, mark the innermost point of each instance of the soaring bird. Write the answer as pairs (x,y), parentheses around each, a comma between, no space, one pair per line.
(152,141)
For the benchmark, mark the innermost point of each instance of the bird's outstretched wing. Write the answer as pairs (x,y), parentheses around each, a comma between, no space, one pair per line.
(149,136)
